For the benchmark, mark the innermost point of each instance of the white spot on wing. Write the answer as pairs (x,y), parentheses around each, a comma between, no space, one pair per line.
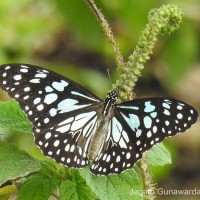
(56,143)
(37,100)
(128,155)
(50,98)
(26,89)
(122,143)
(166,105)
(47,135)
(166,112)
(48,89)
(35,80)
(147,122)
(40,107)
(149,134)
(40,75)
(18,77)
(8,67)
(52,112)
(179,116)
(24,70)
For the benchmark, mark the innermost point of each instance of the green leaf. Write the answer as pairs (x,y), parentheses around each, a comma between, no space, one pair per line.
(75,188)
(115,187)
(15,163)
(6,191)
(11,116)
(38,186)
(158,155)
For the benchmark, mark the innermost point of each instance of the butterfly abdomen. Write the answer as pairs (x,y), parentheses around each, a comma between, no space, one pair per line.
(98,139)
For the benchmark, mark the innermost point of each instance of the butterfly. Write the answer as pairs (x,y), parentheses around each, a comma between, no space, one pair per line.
(75,127)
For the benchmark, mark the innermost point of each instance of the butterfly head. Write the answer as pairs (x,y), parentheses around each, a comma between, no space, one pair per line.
(109,102)
(112,96)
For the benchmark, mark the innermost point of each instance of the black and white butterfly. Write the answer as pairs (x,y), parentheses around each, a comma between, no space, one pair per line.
(73,126)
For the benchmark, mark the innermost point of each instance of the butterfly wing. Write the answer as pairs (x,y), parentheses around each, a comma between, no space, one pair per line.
(61,111)
(119,150)
(138,125)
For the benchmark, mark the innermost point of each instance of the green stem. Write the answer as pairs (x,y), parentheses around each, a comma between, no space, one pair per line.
(147,179)
(108,33)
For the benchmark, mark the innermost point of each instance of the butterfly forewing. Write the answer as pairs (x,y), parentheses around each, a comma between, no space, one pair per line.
(62,112)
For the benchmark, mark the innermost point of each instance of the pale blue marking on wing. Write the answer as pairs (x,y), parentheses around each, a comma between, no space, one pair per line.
(133,121)
(82,95)
(48,89)
(50,98)
(60,86)
(147,122)
(68,105)
(138,133)
(149,107)
(166,105)
(154,114)
(166,112)
(116,129)
(129,107)
(119,135)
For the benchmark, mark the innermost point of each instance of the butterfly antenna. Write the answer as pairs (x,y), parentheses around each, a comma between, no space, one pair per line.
(109,77)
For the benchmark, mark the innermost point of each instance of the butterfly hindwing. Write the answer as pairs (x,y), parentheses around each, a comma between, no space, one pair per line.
(153,119)
(68,142)
(120,151)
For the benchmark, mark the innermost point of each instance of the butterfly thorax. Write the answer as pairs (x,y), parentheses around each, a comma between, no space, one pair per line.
(109,102)
(99,137)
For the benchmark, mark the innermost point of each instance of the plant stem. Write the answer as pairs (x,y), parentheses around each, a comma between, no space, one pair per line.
(108,33)
(163,20)
(147,178)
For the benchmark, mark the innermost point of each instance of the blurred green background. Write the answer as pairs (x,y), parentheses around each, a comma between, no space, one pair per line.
(64,36)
